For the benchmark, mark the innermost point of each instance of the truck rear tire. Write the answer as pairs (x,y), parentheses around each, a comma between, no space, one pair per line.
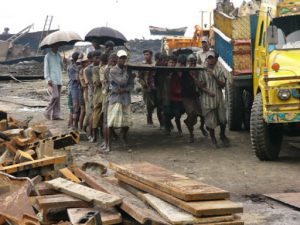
(235,107)
(266,138)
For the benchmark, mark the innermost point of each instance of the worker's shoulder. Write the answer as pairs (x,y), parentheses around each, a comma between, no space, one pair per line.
(115,69)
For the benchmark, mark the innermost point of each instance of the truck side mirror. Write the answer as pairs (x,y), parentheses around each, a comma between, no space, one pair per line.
(272,33)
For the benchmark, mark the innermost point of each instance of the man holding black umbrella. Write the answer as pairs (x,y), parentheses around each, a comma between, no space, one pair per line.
(53,66)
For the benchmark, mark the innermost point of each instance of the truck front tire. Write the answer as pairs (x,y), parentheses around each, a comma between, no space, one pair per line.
(266,138)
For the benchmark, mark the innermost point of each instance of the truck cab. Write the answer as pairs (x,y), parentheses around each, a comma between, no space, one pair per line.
(261,54)
(276,77)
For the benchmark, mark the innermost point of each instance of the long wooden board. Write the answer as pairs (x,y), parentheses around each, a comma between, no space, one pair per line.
(130,204)
(177,216)
(200,208)
(291,199)
(108,216)
(60,200)
(169,182)
(143,67)
(34,164)
(84,193)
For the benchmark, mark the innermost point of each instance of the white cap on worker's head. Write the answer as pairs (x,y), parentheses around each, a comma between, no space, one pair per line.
(80,58)
(211,53)
(121,53)
(204,39)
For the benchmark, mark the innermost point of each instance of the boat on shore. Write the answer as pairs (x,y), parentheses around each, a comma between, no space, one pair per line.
(167,31)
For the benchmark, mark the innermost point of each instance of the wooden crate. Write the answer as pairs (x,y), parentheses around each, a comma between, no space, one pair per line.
(234,28)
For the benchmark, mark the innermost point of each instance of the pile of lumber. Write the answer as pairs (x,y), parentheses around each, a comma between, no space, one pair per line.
(29,150)
(177,198)
(140,193)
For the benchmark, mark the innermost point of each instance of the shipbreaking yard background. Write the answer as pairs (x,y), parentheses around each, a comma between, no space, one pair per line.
(235,169)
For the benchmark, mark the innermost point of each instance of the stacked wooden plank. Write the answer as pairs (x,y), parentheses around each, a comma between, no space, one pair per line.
(142,194)
(177,198)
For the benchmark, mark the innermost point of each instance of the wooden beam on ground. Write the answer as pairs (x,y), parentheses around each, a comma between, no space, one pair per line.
(108,216)
(197,208)
(169,182)
(3,124)
(291,199)
(22,156)
(13,132)
(84,193)
(24,141)
(48,202)
(60,201)
(43,189)
(177,216)
(34,164)
(69,175)
(131,204)
(44,148)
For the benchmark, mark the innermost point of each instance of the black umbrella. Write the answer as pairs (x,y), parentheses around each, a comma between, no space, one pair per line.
(103,34)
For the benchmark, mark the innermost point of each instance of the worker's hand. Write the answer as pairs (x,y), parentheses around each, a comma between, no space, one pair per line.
(210,72)
(202,84)
(98,83)
(210,94)
(145,86)
(50,83)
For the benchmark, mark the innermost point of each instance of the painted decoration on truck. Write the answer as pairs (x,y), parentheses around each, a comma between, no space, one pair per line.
(283,117)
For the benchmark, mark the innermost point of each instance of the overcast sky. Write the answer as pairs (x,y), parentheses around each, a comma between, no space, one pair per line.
(131,17)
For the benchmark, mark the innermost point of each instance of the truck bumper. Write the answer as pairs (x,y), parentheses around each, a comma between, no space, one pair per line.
(282,117)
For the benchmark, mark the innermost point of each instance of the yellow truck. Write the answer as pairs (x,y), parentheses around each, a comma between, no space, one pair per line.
(264,66)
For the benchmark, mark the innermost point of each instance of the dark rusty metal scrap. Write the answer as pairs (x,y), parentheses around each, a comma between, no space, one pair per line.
(14,203)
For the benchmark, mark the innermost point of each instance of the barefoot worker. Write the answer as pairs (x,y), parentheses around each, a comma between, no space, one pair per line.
(53,66)
(121,84)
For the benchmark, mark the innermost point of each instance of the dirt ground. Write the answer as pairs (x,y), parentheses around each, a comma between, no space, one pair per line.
(235,169)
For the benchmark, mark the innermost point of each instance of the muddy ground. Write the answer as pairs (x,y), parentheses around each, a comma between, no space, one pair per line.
(235,169)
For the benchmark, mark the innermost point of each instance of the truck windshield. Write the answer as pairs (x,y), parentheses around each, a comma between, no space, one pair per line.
(289,42)
(288,32)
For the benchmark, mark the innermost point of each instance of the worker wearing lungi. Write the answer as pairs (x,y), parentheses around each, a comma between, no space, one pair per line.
(211,82)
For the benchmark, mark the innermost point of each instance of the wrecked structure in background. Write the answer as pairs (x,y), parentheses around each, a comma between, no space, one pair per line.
(19,54)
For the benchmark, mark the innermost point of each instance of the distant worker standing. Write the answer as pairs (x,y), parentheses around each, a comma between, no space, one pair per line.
(53,66)
(202,54)
(109,47)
